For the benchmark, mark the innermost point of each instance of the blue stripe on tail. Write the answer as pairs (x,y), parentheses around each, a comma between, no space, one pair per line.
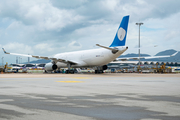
(120,38)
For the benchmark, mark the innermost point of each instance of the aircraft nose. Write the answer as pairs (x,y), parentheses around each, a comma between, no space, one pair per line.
(127,47)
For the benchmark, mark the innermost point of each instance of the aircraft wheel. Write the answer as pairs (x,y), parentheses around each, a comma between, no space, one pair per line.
(98,71)
(101,71)
(72,71)
(67,71)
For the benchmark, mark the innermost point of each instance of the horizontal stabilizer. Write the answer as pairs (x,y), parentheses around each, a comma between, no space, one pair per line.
(114,50)
(105,47)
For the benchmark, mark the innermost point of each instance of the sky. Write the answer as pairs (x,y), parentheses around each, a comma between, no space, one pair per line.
(48,27)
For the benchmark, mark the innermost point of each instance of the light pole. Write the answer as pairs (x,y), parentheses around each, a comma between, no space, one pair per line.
(28,59)
(16,60)
(139,40)
(2,61)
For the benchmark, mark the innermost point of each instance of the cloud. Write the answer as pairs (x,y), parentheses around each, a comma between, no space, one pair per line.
(172,34)
(64,4)
(46,27)
(74,45)
(18,47)
(44,48)
(39,19)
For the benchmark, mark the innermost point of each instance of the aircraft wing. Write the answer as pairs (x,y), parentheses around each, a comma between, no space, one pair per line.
(42,57)
(151,57)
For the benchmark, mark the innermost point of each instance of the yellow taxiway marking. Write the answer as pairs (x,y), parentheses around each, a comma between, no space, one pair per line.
(70,81)
(81,77)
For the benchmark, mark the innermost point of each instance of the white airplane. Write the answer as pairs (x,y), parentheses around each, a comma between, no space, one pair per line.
(94,58)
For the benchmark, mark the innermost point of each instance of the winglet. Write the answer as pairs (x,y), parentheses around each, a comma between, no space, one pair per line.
(174,54)
(5,51)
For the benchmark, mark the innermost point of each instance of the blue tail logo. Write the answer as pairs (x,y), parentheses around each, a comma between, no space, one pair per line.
(120,38)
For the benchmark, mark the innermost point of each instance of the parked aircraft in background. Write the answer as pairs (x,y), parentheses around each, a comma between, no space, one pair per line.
(93,58)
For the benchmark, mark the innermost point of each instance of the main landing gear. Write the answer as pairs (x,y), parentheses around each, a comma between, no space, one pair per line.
(69,71)
(99,71)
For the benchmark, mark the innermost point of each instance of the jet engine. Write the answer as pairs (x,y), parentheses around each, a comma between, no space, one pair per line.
(50,67)
(99,70)
(104,67)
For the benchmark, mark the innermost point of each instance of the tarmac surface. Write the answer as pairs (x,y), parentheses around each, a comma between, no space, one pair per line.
(115,96)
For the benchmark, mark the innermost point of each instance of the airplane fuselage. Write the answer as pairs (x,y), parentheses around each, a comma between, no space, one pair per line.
(90,58)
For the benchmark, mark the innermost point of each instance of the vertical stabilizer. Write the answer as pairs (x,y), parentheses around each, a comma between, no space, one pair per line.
(120,38)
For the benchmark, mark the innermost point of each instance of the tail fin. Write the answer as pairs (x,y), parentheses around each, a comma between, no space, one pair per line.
(120,38)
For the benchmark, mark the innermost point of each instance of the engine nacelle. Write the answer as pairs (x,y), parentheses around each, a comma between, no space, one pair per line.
(104,67)
(50,67)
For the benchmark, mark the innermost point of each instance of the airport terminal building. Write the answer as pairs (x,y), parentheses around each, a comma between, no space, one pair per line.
(118,66)
(132,66)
